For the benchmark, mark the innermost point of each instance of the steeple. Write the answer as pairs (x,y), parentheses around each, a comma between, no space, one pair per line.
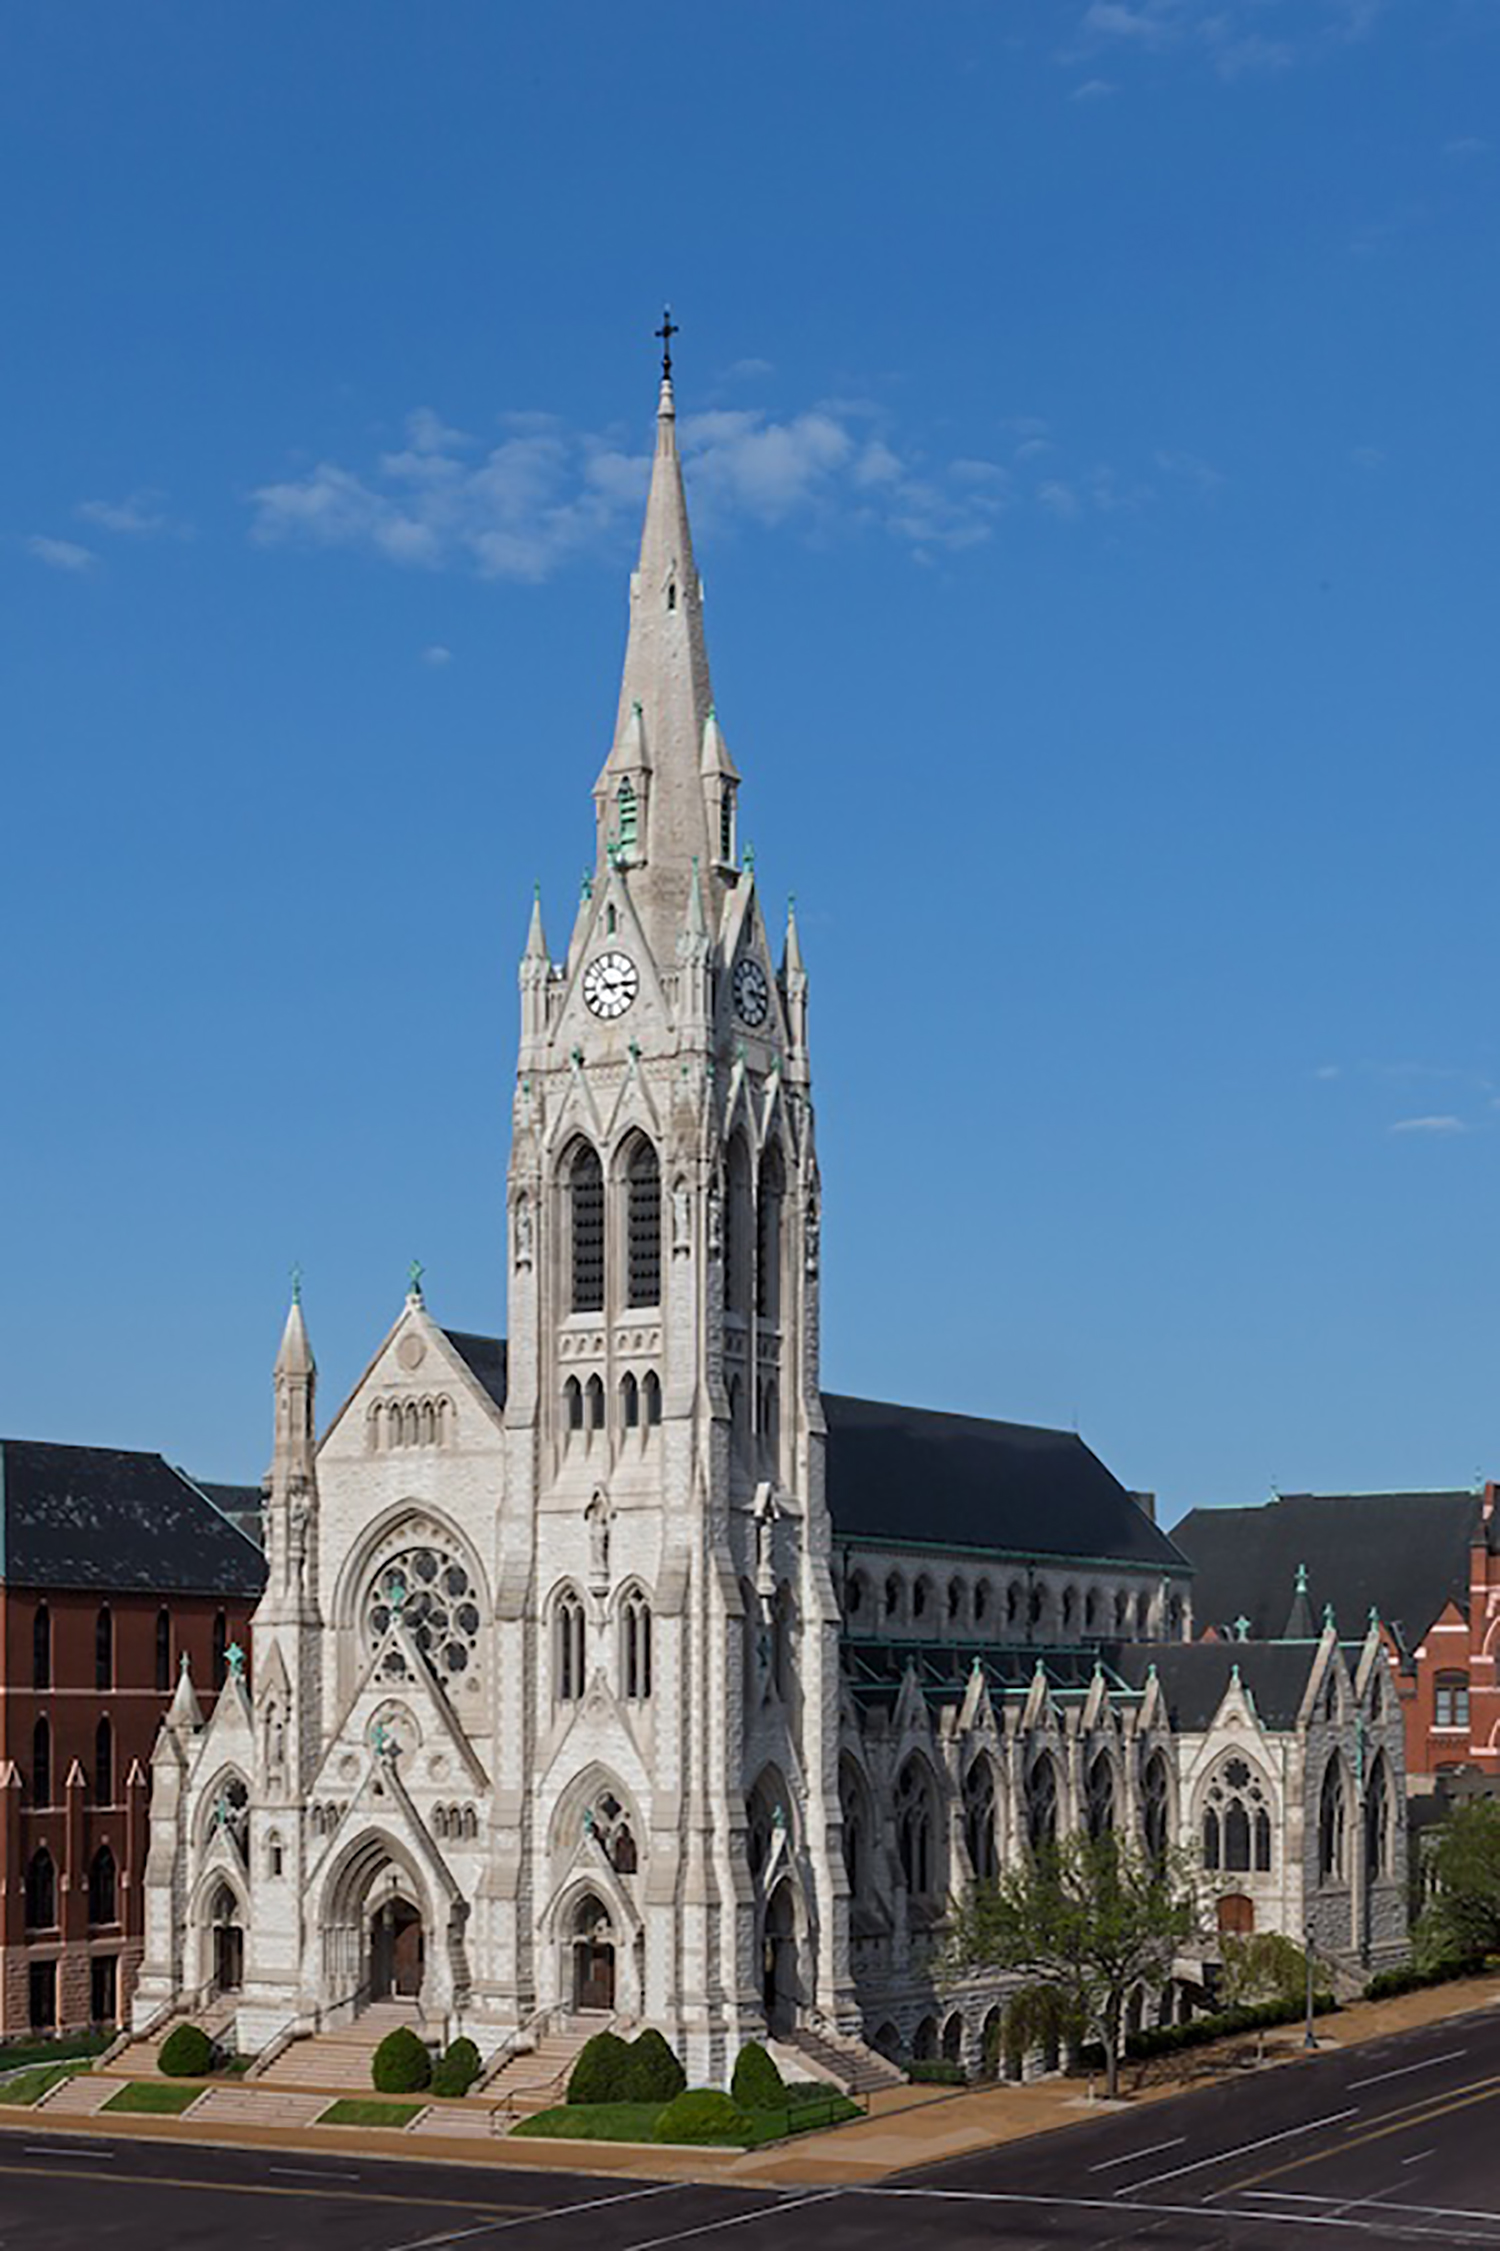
(1300,1625)
(291,1488)
(661,798)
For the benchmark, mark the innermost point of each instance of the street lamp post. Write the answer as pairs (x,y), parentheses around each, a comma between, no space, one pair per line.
(1309,2037)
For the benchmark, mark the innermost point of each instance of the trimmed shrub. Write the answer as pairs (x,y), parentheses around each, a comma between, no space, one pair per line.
(186,2053)
(1386,1983)
(703,2115)
(937,2072)
(401,2065)
(1223,2024)
(600,2072)
(652,2072)
(757,2084)
(455,2072)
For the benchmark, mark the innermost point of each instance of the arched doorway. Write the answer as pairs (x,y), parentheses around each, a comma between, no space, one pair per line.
(779,1993)
(593,1957)
(397,1950)
(228,1942)
(1236,1915)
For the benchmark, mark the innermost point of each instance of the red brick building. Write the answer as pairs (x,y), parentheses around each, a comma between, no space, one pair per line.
(114,1569)
(1426,1564)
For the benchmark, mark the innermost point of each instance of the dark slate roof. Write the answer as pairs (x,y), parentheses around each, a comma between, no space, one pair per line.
(484,1357)
(242,1505)
(1195,1674)
(95,1517)
(907,1473)
(1407,1554)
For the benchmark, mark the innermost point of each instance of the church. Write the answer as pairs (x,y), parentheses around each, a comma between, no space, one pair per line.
(614,1671)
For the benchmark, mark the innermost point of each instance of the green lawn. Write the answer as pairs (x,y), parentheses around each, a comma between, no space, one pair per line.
(30,2086)
(594,2122)
(154,2097)
(15,2055)
(355,2110)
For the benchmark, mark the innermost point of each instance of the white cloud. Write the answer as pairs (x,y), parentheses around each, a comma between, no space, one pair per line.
(1235,37)
(1201,475)
(1327,1071)
(1092,90)
(1465,148)
(61,554)
(436,655)
(139,516)
(1367,457)
(1440,1124)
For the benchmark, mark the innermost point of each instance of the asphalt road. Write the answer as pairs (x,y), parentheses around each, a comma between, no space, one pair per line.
(1394,2143)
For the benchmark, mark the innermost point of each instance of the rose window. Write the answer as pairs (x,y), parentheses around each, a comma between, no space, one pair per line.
(431,1592)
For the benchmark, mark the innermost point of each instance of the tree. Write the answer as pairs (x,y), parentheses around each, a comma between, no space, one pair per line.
(1090,1919)
(1461,1921)
(1260,1968)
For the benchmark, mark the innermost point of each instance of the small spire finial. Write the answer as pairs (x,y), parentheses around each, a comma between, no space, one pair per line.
(1301,1587)
(414,1275)
(666,332)
(296,1284)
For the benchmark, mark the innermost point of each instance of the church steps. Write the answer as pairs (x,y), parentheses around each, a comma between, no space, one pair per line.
(847,2063)
(81,2096)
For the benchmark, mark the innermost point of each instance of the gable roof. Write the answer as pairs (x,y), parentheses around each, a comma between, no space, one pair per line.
(242,1504)
(100,1518)
(1194,1676)
(914,1475)
(1407,1554)
(485,1359)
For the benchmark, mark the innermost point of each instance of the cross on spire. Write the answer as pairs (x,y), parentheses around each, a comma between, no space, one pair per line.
(666,332)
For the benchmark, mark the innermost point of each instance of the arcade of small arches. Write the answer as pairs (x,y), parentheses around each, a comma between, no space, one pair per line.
(974,1603)
(404,1423)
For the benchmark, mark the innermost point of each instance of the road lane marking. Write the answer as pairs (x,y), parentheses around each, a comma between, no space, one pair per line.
(740,2219)
(1428,2063)
(1106,2204)
(533,2214)
(1421,2153)
(1413,2116)
(1382,2204)
(430,2242)
(1241,2149)
(206,2184)
(40,2149)
(312,2172)
(1152,2149)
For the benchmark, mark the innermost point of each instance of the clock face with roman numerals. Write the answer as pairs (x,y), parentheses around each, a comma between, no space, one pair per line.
(752,995)
(610,984)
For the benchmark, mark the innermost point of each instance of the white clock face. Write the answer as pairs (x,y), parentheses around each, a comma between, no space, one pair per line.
(752,995)
(610,984)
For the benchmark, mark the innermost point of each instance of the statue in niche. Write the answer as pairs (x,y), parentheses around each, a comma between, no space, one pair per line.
(597,1516)
(715,1220)
(810,1237)
(682,1218)
(523,1232)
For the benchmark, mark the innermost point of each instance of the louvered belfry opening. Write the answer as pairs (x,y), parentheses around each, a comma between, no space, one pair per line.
(643,1227)
(586,1187)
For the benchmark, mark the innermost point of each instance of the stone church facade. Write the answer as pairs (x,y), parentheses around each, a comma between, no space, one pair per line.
(612,1668)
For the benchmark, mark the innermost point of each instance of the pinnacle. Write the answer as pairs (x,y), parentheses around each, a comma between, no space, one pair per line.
(295,1356)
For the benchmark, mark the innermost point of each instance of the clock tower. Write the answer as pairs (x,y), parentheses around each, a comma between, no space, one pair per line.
(668,1627)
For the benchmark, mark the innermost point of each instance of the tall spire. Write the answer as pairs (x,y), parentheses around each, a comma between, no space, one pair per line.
(665,749)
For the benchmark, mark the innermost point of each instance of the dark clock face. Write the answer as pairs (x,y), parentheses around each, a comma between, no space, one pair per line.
(752,995)
(610,984)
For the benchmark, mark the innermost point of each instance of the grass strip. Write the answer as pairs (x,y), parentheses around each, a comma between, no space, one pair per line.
(25,2087)
(154,2098)
(359,2110)
(593,2122)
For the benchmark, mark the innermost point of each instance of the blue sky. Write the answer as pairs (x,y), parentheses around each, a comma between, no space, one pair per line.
(1090,414)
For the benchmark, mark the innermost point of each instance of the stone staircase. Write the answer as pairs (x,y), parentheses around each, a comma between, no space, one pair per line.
(276,2108)
(538,2078)
(340,2061)
(81,2096)
(138,2059)
(847,2063)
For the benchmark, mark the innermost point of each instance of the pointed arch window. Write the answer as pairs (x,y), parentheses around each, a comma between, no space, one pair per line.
(739,1237)
(768,1236)
(41,1891)
(163,1648)
(41,1763)
(104,1764)
(1100,1808)
(595,1396)
(102,1886)
(979,1820)
(1331,1861)
(916,1830)
(1041,1805)
(651,1399)
(104,1648)
(1378,1825)
(630,1402)
(625,804)
(1156,1809)
(1239,1808)
(586,1198)
(726,825)
(567,1647)
(41,1647)
(573,1403)
(643,1227)
(635,1647)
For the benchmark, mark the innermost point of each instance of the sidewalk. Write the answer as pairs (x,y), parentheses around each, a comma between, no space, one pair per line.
(907,2126)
